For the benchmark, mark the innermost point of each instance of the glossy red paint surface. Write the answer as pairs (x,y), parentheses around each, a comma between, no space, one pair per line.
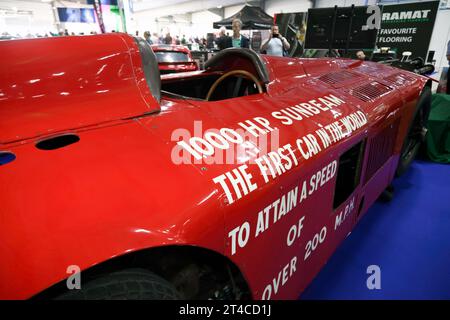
(118,190)
(50,84)
(175,66)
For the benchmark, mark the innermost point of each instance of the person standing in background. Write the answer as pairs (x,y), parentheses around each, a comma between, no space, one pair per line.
(238,40)
(155,38)
(360,55)
(168,38)
(276,45)
(223,41)
(147,37)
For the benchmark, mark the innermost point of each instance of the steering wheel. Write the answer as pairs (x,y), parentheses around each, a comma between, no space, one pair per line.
(242,73)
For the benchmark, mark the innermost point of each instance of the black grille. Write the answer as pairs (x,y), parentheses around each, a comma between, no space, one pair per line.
(399,79)
(381,148)
(370,91)
(334,78)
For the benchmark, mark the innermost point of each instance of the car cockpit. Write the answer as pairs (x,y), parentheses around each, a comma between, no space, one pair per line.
(231,73)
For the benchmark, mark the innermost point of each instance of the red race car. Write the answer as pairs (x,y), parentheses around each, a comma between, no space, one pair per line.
(172,58)
(235,182)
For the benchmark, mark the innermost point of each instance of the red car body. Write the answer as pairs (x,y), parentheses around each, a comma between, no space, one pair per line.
(174,58)
(118,191)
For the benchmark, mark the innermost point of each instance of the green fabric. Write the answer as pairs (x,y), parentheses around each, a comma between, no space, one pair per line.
(236,43)
(438,136)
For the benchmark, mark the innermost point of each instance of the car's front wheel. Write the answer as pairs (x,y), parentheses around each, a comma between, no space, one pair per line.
(416,132)
(129,284)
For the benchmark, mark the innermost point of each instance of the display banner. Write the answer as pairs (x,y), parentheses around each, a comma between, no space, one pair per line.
(80,15)
(408,27)
(344,28)
(292,26)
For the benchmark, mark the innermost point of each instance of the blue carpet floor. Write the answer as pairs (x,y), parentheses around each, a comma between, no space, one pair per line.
(408,238)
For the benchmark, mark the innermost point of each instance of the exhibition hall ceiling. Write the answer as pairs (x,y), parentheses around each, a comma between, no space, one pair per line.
(141,5)
(177,6)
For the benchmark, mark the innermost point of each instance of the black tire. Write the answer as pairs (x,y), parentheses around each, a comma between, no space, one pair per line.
(416,132)
(129,284)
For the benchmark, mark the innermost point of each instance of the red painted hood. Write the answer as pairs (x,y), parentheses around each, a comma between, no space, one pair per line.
(68,83)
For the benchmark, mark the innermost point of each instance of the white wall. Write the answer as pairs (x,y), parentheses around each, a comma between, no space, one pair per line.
(275,6)
(439,40)
(202,19)
(286,6)
(440,37)
(40,19)
(229,11)
(202,23)
(178,25)
(343,3)
(141,22)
